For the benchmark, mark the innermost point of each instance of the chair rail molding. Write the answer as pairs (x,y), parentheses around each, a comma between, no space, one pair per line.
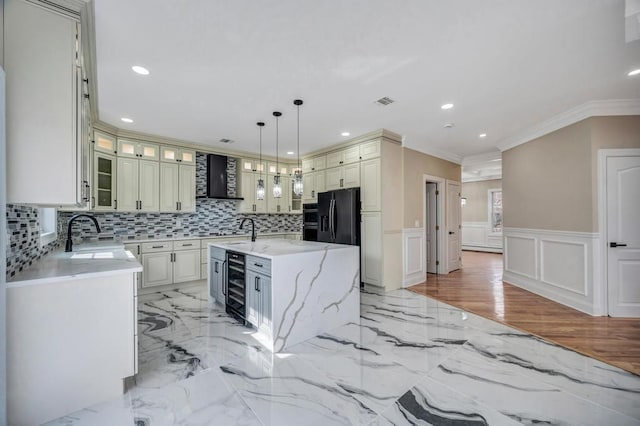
(414,267)
(563,266)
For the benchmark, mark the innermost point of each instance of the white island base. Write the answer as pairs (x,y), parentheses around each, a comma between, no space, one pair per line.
(295,290)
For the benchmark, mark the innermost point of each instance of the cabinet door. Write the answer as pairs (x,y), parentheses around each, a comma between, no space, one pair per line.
(253,298)
(186,266)
(149,186)
(370,150)
(371,249)
(104,182)
(127,148)
(351,155)
(319,163)
(127,184)
(188,157)
(281,204)
(351,176)
(320,182)
(335,159)
(187,189)
(168,187)
(334,178)
(308,187)
(248,182)
(169,154)
(42,99)
(370,189)
(104,142)
(148,151)
(265,311)
(157,269)
(307,165)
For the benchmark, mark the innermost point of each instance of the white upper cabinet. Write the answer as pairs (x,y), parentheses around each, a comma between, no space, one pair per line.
(344,156)
(370,185)
(172,154)
(273,168)
(369,150)
(177,188)
(142,150)
(314,164)
(43,106)
(343,177)
(252,165)
(248,185)
(104,142)
(281,204)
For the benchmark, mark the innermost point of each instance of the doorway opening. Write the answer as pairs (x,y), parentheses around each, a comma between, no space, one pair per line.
(435,245)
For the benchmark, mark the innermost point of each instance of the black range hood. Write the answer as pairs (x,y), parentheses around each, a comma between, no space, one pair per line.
(217,178)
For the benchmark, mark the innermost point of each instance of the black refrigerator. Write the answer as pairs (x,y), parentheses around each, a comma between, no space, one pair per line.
(339,216)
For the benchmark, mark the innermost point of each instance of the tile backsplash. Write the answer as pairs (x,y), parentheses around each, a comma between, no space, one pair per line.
(23,238)
(212,217)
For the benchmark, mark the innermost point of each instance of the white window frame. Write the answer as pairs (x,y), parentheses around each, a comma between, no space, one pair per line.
(490,193)
(48,218)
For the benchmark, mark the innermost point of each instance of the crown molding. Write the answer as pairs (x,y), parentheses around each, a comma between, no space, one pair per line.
(589,109)
(438,153)
(385,134)
(481,158)
(482,178)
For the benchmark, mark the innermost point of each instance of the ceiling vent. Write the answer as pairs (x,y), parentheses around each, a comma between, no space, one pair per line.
(384,101)
(224,140)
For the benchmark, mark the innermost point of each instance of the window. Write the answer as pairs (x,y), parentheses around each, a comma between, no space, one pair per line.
(495,209)
(48,225)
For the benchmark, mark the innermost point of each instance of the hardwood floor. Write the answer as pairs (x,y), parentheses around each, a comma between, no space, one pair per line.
(478,288)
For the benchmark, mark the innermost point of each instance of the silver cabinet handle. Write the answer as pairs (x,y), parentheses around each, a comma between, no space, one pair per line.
(341,183)
(140,204)
(157,246)
(257,284)
(177,206)
(224,278)
(187,245)
(215,267)
(259,265)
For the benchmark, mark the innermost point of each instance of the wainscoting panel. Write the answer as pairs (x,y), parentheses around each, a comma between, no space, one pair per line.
(414,259)
(478,236)
(520,255)
(555,264)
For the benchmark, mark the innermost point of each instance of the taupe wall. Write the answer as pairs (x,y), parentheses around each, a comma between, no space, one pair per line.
(551,182)
(610,133)
(415,166)
(477,194)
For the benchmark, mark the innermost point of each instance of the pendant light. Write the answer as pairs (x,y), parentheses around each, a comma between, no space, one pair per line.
(297,176)
(260,187)
(277,185)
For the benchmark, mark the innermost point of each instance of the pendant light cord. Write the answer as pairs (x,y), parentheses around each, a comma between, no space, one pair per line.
(298,136)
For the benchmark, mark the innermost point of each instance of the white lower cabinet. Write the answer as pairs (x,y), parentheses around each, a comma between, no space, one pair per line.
(371,247)
(217,264)
(170,262)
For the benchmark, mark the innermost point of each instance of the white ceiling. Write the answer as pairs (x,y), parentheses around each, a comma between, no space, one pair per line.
(218,67)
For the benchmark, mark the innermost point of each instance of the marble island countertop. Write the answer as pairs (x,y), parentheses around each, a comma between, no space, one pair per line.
(83,262)
(272,248)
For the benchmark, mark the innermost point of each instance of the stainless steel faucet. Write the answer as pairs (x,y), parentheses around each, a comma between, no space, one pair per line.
(253,227)
(69,246)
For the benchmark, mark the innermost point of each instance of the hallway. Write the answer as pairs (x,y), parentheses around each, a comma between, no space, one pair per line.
(478,288)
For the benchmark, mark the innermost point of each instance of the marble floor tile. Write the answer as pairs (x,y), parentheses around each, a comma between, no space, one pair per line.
(521,397)
(431,402)
(200,400)
(408,360)
(290,391)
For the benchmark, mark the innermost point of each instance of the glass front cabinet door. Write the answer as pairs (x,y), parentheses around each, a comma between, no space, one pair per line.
(104,178)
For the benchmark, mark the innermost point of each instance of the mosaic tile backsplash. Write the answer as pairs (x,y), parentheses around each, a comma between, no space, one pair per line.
(23,239)
(212,217)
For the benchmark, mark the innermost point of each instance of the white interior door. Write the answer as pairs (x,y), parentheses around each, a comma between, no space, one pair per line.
(454,226)
(623,233)
(430,228)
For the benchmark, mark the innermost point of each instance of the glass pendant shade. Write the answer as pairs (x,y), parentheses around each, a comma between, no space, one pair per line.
(277,187)
(297,182)
(260,190)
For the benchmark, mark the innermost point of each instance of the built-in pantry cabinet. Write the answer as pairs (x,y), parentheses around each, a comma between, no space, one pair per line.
(44,104)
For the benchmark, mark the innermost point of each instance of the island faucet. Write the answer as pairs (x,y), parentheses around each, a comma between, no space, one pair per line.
(69,246)
(253,228)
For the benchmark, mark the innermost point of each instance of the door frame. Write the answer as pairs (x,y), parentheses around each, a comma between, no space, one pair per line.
(601,251)
(441,242)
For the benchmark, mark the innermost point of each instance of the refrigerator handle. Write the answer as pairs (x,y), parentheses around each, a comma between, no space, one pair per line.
(332,219)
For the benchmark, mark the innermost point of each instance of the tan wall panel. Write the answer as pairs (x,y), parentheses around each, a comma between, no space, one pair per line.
(392,183)
(546,183)
(610,133)
(415,166)
(477,194)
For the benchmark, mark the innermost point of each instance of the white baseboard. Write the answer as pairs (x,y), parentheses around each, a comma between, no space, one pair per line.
(482,248)
(561,266)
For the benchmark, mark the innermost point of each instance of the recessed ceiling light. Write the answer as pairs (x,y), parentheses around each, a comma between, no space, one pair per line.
(126,120)
(140,70)
(447,106)
(448,125)
(482,135)
(290,152)
(634,72)
(345,134)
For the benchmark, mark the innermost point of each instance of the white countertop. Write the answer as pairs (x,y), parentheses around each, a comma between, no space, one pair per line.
(61,266)
(125,240)
(274,248)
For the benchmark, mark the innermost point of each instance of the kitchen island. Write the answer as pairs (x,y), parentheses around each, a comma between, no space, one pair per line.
(294,290)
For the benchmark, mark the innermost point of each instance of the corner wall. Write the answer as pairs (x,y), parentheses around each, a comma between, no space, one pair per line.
(551,237)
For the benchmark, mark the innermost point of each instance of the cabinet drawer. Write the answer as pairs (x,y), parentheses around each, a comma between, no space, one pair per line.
(259,264)
(186,245)
(217,253)
(156,246)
